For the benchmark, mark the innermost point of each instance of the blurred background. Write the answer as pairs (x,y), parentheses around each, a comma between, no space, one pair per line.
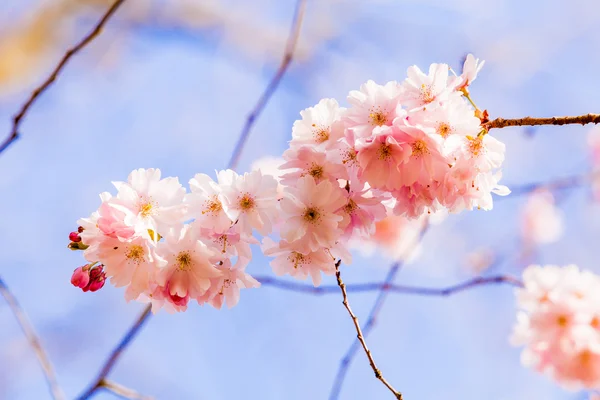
(169,84)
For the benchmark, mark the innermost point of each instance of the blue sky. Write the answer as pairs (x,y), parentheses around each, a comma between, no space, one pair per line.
(176,99)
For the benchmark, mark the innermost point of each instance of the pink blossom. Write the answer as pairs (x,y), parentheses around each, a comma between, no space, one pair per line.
(420,89)
(362,209)
(158,203)
(308,161)
(116,220)
(321,126)
(89,278)
(372,106)
(205,205)
(381,158)
(189,267)
(484,152)
(270,166)
(226,288)
(471,68)
(297,264)
(309,210)
(249,199)
(80,277)
(541,220)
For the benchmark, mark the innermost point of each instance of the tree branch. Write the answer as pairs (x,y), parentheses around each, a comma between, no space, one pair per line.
(116,353)
(122,391)
(359,335)
(34,341)
(389,287)
(17,119)
(529,121)
(377,306)
(273,84)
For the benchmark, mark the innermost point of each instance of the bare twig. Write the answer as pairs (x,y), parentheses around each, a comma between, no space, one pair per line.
(360,336)
(273,84)
(529,121)
(34,341)
(377,306)
(14,134)
(116,353)
(122,391)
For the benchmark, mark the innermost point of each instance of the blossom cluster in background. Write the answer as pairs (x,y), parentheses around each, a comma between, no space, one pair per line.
(400,150)
(559,324)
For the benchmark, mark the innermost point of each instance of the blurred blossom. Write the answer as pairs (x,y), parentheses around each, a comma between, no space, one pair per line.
(542,221)
(480,260)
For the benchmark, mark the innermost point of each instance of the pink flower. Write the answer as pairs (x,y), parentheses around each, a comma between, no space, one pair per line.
(297,264)
(417,200)
(205,205)
(372,106)
(249,199)
(226,288)
(542,221)
(189,267)
(270,166)
(420,89)
(310,215)
(453,117)
(484,152)
(116,220)
(320,126)
(381,158)
(361,210)
(559,324)
(158,203)
(308,161)
(471,68)
(230,243)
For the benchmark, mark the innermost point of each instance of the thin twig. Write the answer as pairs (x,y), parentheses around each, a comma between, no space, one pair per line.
(122,391)
(360,336)
(17,119)
(389,287)
(273,84)
(338,382)
(116,353)
(34,341)
(529,121)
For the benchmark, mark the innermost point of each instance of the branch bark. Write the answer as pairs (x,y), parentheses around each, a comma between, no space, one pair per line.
(290,48)
(360,336)
(529,121)
(34,341)
(18,118)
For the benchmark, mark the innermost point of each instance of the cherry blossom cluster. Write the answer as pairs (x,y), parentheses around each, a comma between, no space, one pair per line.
(559,324)
(401,151)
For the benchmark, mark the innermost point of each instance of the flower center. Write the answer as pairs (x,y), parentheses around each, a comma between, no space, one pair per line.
(320,134)
(419,148)
(135,253)
(426,94)
(384,152)
(212,206)
(297,259)
(350,207)
(246,202)
(312,215)
(184,261)
(377,116)
(349,157)
(475,145)
(444,129)
(146,209)
(562,320)
(316,171)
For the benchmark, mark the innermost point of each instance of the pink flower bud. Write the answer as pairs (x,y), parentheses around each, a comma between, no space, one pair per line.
(80,278)
(80,229)
(74,237)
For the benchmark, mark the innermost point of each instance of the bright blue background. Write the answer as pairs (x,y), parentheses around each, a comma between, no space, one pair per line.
(176,98)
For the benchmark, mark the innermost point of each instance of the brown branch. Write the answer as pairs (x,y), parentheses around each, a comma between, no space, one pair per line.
(273,84)
(18,118)
(389,287)
(122,391)
(359,335)
(529,121)
(116,353)
(34,341)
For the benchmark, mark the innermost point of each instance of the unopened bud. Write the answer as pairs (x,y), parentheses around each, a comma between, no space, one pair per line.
(80,229)
(74,237)
(80,277)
